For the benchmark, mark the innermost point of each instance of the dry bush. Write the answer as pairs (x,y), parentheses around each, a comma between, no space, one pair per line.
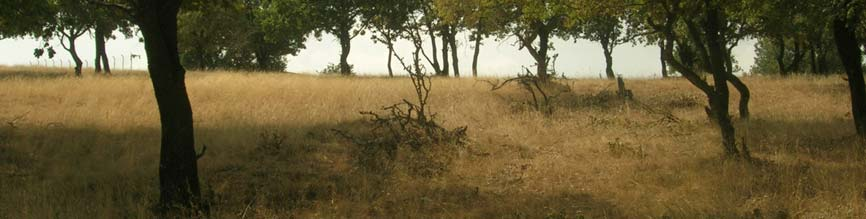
(542,96)
(406,135)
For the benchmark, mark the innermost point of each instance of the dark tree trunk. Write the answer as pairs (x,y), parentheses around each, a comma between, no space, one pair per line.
(475,54)
(264,61)
(687,56)
(200,53)
(100,48)
(745,96)
(607,48)
(745,93)
(445,45)
(432,33)
(822,60)
(813,60)
(541,58)
(101,61)
(345,48)
(455,62)
(799,53)
(73,51)
(180,193)
(780,55)
(106,67)
(390,59)
(719,101)
(662,48)
(849,51)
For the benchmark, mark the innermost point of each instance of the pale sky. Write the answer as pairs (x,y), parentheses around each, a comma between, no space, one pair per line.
(498,58)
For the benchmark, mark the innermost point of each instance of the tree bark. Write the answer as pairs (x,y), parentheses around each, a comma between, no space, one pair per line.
(849,51)
(607,48)
(390,59)
(345,48)
(813,60)
(476,53)
(799,53)
(455,62)
(745,93)
(719,101)
(432,33)
(662,47)
(745,96)
(73,51)
(780,55)
(100,47)
(180,193)
(445,45)
(541,58)
(101,60)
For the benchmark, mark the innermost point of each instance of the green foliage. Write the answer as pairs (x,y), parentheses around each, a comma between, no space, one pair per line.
(389,18)
(24,17)
(249,35)
(826,60)
(483,17)
(335,16)
(334,69)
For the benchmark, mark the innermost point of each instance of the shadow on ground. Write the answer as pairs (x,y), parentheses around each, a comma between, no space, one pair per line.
(252,171)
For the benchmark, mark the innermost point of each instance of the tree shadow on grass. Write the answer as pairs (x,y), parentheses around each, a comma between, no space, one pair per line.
(834,140)
(11,75)
(248,171)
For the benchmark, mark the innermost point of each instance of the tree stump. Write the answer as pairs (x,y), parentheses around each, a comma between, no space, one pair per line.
(623,92)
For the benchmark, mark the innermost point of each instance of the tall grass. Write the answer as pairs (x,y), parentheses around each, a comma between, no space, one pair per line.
(88,148)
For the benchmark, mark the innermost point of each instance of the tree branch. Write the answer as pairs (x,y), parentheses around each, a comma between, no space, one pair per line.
(121,7)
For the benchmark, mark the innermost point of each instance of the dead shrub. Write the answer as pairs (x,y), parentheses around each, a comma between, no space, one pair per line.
(406,135)
(543,96)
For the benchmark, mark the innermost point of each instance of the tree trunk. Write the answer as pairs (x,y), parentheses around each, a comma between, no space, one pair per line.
(431,32)
(106,67)
(780,55)
(100,47)
(813,60)
(455,62)
(849,51)
(390,58)
(687,56)
(745,95)
(541,59)
(346,47)
(608,57)
(475,54)
(822,60)
(662,47)
(180,193)
(73,51)
(445,54)
(799,53)
(719,101)
(200,53)
(101,62)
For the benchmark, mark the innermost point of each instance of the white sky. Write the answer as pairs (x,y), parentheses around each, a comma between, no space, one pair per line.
(498,58)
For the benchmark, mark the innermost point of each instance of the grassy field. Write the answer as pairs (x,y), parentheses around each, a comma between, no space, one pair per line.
(88,148)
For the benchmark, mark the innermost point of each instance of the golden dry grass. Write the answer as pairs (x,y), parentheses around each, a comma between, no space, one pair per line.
(88,148)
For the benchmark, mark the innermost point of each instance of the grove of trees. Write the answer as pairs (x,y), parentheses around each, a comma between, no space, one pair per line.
(695,37)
